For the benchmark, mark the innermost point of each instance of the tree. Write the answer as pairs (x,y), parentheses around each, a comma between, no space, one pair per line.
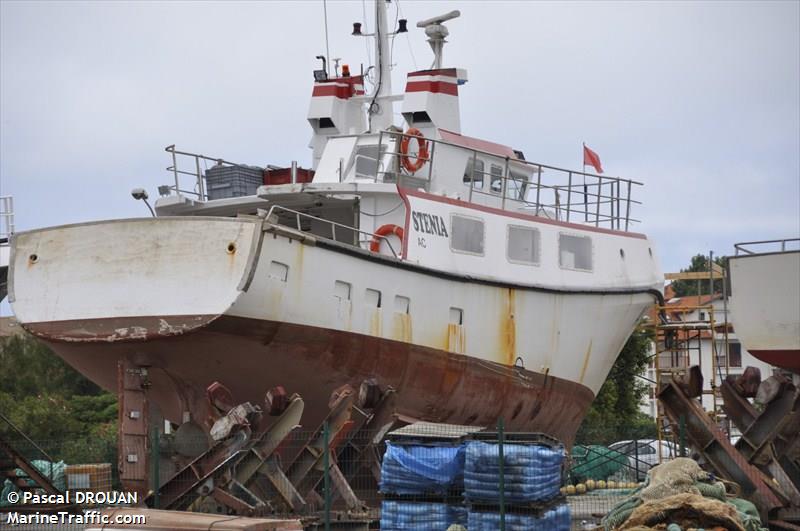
(699,263)
(614,414)
(70,417)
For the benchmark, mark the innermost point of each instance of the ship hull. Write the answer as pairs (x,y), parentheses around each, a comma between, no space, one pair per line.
(765,290)
(250,356)
(253,305)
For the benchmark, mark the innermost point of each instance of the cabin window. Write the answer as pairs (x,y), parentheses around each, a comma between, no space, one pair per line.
(474,173)
(278,271)
(523,245)
(341,290)
(468,234)
(401,304)
(575,252)
(373,298)
(367,158)
(496,184)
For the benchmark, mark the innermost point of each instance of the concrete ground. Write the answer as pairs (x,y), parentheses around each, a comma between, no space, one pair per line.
(587,509)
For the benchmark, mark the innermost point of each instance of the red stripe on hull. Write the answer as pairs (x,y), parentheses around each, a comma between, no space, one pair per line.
(786,358)
(249,356)
(436,87)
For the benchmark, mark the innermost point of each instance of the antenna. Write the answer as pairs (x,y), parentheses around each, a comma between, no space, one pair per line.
(436,32)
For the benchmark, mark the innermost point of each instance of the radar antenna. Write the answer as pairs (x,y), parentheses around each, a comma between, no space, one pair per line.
(436,32)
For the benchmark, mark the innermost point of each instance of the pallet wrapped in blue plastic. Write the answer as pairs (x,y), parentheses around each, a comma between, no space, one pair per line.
(531,472)
(419,469)
(397,515)
(554,519)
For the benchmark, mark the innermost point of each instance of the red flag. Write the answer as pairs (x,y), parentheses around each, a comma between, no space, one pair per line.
(592,159)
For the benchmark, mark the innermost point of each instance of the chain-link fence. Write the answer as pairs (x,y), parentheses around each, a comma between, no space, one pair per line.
(421,476)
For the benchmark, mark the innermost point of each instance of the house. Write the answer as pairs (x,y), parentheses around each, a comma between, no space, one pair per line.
(692,341)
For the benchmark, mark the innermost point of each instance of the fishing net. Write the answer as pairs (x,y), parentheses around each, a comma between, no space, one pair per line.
(680,492)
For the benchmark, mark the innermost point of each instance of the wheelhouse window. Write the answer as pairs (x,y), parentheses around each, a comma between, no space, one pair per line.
(496,184)
(575,252)
(467,234)
(523,245)
(367,157)
(516,187)
(474,173)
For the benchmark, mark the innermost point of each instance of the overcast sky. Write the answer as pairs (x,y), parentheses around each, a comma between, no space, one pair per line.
(699,100)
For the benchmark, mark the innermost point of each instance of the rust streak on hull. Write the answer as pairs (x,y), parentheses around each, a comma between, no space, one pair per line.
(249,356)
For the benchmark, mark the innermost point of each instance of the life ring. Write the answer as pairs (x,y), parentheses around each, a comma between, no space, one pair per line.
(422,154)
(384,230)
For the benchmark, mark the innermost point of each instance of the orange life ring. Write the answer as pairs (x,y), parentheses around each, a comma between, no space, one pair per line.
(384,230)
(422,154)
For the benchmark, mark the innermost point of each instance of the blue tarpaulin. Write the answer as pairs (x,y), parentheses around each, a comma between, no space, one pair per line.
(420,469)
(531,473)
(555,519)
(404,515)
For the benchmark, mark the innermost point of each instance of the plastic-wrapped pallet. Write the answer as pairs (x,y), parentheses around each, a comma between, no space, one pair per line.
(398,515)
(554,519)
(531,472)
(233,181)
(422,469)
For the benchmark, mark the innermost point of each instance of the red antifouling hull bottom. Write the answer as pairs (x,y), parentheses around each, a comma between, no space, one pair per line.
(250,356)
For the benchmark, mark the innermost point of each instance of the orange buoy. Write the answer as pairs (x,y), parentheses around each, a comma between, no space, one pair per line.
(422,153)
(384,230)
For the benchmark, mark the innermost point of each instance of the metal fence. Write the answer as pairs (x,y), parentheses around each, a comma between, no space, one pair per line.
(340,476)
(767,246)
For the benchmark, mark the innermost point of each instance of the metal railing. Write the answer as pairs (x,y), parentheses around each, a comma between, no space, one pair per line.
(513,183)
(198,174)
(771,246)
(31,450)
(576,196)
(333,224)
(6,216)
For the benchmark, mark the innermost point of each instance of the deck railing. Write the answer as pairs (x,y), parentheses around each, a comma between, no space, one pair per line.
(767,246)
(297,216)
(6,216)
(514,184)
(567,195)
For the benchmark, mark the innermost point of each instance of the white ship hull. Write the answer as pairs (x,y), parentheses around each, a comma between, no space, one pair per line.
(253,305)
(765,306)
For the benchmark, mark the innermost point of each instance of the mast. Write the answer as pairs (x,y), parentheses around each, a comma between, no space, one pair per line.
(380,110)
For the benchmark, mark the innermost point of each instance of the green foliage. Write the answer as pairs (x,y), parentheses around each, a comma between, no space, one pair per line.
(685,288)
(30,369)
(614,414)
(65,414)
